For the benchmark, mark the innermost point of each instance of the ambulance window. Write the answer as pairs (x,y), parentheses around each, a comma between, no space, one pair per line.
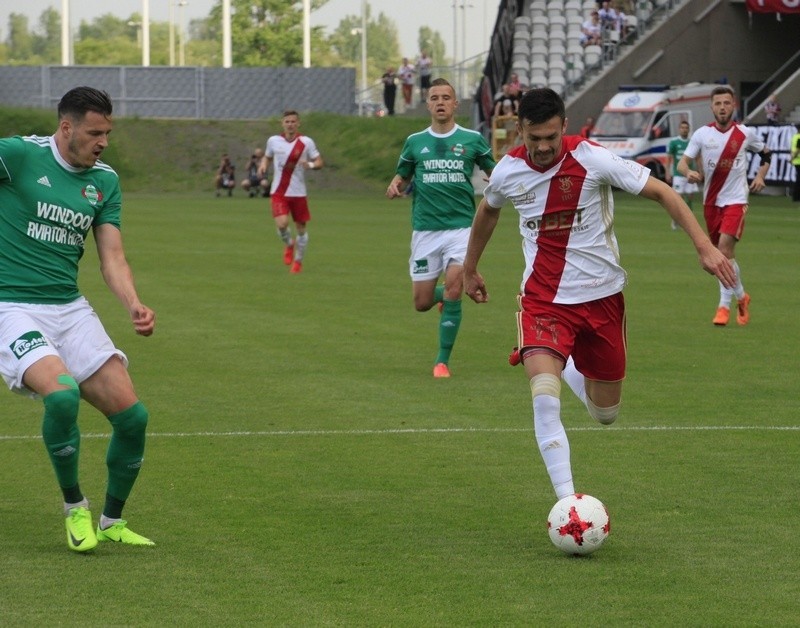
(660,126)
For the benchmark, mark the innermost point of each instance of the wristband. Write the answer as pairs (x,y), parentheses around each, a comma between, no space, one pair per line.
(311,165)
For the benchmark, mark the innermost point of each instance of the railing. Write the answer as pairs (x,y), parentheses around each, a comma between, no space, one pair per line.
(779,76)
(464,76)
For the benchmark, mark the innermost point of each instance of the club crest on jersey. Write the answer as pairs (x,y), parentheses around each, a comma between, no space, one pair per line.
(458,150)
(565,185)
(92,194)
(26,343)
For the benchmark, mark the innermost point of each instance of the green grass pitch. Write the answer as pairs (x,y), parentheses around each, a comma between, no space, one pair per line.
(303,468)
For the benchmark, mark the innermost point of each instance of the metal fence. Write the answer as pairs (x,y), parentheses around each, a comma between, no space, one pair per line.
(187,92)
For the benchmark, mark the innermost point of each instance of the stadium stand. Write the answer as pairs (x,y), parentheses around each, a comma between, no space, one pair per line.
(662,41)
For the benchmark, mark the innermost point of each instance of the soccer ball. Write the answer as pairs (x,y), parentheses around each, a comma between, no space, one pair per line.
(578,524)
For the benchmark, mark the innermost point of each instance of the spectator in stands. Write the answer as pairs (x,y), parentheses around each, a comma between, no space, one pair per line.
(610,17)
(587,128)
(591,31)
(515,86)
(389,80)
(225,178)
(772,109)
(255,184)
(406,74)
(506,94)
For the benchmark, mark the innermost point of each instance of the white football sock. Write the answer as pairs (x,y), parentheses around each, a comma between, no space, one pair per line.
(107,522)
(550,434)
(286,236)
(301,243)
(84,503)
(738,289)
(575,379)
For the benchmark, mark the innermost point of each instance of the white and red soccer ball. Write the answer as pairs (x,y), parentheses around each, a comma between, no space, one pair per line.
(578,524)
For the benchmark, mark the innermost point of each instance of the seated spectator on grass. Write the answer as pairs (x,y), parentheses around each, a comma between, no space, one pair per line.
(254,184)
(225,179)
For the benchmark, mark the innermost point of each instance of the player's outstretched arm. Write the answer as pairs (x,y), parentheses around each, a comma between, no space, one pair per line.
(711,259)
(119,278)
(483,225)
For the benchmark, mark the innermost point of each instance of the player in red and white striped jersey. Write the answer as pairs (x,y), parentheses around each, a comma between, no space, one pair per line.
(720,148)
(571,321)
(290,154)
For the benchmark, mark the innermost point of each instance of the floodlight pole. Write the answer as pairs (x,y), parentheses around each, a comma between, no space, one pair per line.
(306,33)
(181,34)
(363,49)
(226,34)
(65,47)
(145,33)
(171,33)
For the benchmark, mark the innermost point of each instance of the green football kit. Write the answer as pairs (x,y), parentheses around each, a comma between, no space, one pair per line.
(441,167)
(47,209)
(677,146)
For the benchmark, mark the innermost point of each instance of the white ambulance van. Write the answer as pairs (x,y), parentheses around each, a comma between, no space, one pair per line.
(639,122)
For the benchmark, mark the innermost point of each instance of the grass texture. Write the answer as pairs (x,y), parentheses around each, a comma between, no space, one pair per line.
(303,468)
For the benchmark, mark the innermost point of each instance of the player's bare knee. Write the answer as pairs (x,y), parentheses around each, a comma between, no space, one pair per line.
(606,415)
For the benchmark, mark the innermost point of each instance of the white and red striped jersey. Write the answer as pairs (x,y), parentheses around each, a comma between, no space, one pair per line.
(724,161)
(288,178)
(567,218)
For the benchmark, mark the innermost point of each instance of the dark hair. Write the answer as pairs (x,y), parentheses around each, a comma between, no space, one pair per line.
(290,112)
(539,105)
(440,82)
(78,101)
(723,89)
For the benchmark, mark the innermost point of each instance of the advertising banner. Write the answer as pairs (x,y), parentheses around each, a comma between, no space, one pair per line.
(773,6)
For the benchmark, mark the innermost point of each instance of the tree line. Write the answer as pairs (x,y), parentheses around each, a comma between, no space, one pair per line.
(264,33)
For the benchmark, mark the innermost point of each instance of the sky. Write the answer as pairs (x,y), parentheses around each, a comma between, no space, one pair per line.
(408,15)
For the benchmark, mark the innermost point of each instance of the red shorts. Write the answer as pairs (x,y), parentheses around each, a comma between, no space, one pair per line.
(728,220)
(297,206)
(592,333)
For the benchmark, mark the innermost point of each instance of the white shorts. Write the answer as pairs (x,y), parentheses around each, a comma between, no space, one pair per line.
(682,186)
(433,251)
(73,332)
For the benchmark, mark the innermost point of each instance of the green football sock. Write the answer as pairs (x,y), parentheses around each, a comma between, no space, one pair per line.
(62,438)
(449,323)
(125,450)
(438,293)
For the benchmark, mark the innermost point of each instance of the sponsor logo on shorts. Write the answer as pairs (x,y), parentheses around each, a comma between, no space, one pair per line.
(420,266)
(26,343)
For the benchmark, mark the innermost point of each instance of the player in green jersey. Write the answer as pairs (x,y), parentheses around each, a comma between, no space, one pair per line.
(679,183)
(53,190)
(440,161)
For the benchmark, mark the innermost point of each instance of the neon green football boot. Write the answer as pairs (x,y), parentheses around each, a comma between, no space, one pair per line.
(119,533)
(80,535)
